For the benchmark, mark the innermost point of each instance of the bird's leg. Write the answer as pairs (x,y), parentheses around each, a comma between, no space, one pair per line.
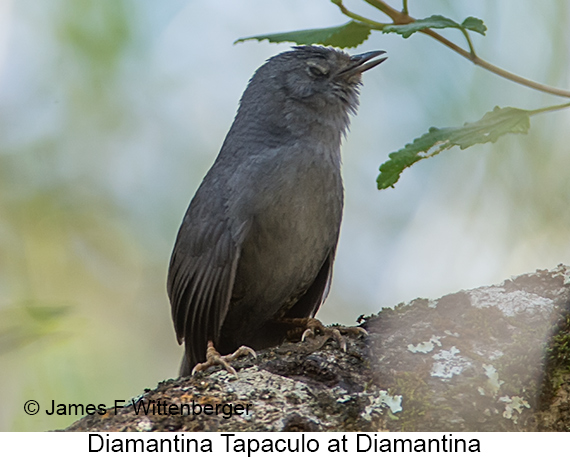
(314,326)
(214,358)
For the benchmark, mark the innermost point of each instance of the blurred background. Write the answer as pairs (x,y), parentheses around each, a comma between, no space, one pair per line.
(111,112)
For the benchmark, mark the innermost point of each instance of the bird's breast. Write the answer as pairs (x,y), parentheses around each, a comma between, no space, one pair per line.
(295,210)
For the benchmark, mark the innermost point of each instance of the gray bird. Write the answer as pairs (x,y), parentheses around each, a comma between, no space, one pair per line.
(257,244)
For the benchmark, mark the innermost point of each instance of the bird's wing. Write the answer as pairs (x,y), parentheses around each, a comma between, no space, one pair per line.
(200,278)
(315,295)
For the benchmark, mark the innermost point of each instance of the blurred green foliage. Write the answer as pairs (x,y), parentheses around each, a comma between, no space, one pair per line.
(70,268)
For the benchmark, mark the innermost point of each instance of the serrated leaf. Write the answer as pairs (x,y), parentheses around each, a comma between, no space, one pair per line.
(435,22)
(475,24)
(348,35)
(489,128)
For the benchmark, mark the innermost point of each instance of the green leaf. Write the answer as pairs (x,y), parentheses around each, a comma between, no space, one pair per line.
(348,35)
(489,128)
(436,22)
(475,24)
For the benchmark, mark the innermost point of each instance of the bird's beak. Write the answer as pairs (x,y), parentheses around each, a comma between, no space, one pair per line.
(363,62)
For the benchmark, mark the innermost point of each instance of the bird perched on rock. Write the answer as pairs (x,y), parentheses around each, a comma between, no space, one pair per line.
(255,250)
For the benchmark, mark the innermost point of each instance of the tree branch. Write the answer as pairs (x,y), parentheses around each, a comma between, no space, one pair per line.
(401,17)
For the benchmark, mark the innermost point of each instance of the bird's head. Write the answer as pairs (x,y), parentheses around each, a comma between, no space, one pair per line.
(306,86)
(320,77)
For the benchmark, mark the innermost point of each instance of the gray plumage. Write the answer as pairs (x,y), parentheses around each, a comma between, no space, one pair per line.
(259,238)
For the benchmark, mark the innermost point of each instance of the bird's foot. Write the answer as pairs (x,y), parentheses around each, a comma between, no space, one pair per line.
(213,358)
(314,327)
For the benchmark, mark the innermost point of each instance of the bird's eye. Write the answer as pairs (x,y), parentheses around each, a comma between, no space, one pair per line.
(317,70)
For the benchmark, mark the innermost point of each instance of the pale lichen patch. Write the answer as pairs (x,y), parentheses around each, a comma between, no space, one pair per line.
(493,384)
(381,401)
(144,425)
(426,346)
(394,402)
(448,363)
(493,355)
(514,407)
(511,303)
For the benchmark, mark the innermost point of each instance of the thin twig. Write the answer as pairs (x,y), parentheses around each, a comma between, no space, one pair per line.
(548,109)
(396,16)
(469,43)
(494,69)
(357,17)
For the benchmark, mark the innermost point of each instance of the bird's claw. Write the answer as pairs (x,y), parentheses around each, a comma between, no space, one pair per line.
(213,358)
(315,326)
(307,333)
